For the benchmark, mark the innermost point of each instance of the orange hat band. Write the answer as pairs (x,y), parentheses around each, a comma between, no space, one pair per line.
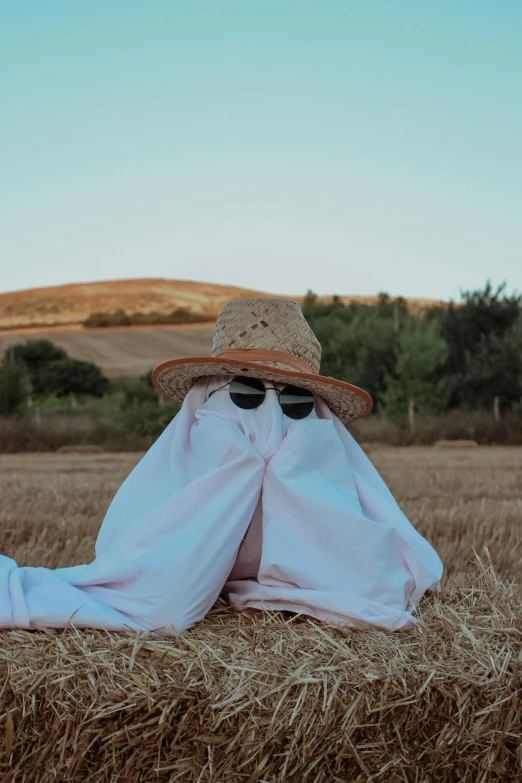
(266,355)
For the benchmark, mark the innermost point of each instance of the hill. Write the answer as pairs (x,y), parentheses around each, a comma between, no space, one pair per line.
(57,314)
(74,303)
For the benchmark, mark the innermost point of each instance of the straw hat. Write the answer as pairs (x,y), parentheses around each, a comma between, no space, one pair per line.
(267,339)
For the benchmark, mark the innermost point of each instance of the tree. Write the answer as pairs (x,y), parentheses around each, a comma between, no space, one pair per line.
(492,369)
(71,376)
(309,300)
(51,371)
(484,358)
(361,350)
(13,386)
(421,355)
(384,303)
(36,353)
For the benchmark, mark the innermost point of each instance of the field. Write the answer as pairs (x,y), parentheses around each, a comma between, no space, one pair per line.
(122,350)
(52,505)
(438,702)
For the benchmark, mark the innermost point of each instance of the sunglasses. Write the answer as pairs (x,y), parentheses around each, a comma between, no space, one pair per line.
(249,393)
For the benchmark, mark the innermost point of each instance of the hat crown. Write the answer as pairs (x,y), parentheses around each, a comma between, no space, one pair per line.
(270,324)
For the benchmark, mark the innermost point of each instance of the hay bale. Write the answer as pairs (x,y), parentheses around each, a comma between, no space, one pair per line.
(456,444)
(80,450)
(272,697)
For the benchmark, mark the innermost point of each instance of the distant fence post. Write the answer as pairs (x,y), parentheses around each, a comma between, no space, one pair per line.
(496,408)
(411,415)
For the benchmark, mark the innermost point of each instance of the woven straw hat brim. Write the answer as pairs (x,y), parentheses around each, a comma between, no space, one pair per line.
(176,377)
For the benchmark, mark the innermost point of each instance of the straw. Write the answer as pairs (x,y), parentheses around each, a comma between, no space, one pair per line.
(272,697)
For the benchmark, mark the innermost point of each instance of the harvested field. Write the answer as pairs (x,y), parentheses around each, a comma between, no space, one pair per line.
(275,697)
(455,444)
(123,350)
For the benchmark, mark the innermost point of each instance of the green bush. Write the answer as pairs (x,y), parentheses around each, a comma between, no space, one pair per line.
(64,377)
(134,391)
(35,354)
(119,318)
(359,345)
(52,372)
(147,420)
(13,386)
(484,349)
(421,355)
(179,315)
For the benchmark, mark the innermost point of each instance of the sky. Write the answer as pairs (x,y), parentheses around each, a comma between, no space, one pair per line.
(347,147)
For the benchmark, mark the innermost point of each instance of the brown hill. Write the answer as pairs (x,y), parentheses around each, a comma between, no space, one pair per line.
(72,304)
(57,314)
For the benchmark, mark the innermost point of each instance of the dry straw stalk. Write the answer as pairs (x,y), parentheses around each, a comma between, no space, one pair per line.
(274,697)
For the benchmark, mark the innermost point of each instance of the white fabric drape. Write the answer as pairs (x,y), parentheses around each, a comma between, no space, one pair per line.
(271,512)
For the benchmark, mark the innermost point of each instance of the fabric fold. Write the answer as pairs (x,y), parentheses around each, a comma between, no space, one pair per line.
(267,511)
(167,543)
(334,542)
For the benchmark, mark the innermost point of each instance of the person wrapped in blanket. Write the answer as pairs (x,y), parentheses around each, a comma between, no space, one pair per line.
(256,491)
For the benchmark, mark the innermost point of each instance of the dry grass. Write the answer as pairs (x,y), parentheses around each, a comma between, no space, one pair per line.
(274,697)
(455,444)
(73,303)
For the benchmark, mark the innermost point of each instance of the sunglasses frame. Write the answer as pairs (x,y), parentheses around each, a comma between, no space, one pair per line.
(266,388)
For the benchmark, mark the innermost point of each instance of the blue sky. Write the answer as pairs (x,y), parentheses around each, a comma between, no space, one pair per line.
(348,147)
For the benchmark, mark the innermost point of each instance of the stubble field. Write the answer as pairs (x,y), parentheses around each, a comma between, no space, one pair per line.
(51,506)
(261,697)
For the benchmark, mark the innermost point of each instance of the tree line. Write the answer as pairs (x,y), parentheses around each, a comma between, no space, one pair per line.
(464,356)
(180,315)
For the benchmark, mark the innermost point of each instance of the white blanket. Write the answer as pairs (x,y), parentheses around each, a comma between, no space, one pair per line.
(270,512)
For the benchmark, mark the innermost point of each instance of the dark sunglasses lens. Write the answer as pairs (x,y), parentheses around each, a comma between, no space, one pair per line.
(296,403)
(247,393)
